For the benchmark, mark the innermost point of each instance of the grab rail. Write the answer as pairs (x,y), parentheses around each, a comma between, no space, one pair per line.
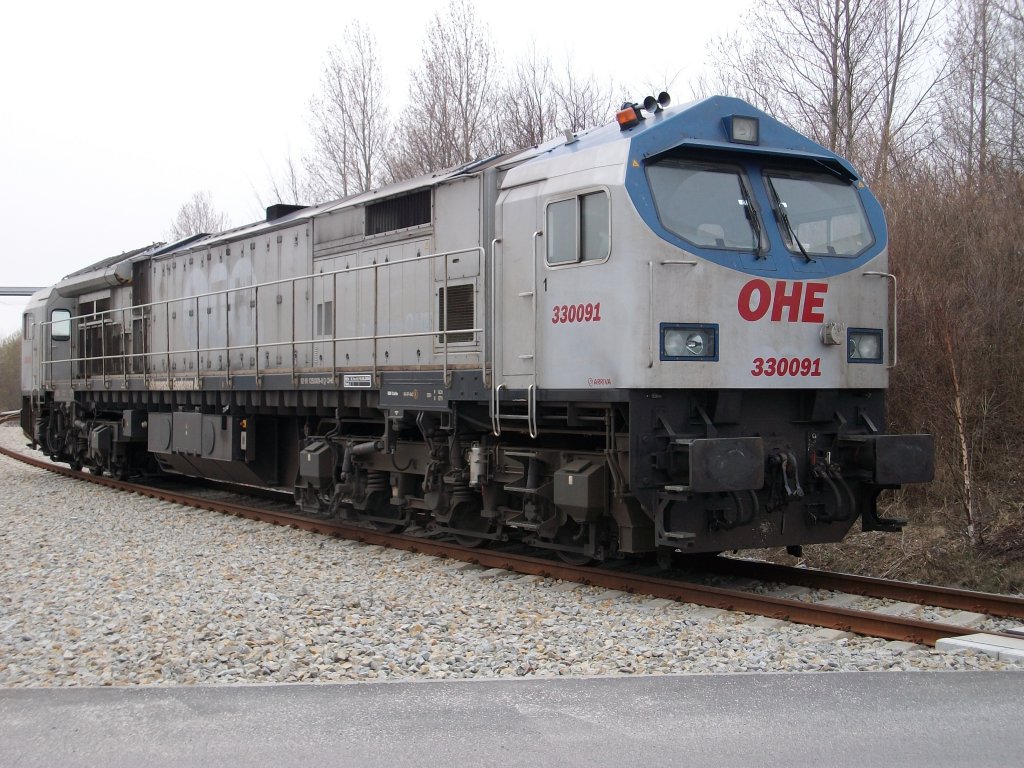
(895,342)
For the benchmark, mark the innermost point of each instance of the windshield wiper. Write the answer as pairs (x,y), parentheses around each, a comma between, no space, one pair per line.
(782,217)
(753,219)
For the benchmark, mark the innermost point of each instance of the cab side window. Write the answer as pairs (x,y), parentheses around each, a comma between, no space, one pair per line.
(578,229)
(60,325)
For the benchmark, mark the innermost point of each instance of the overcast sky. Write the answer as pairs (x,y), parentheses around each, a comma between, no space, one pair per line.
(112,114)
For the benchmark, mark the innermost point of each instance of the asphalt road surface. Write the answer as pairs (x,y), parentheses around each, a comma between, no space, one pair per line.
(855,719)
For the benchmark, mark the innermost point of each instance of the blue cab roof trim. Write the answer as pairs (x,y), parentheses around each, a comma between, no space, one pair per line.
(700,125)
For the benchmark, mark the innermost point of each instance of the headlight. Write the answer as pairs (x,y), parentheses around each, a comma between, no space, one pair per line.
(681,341)
(864,346)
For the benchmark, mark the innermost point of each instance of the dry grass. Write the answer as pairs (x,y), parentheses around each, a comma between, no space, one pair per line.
(934,548)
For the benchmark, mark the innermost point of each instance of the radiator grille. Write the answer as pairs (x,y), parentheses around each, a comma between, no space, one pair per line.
(398,213)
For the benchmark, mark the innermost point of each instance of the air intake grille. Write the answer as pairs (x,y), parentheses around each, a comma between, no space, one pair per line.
(460,313)
(398,213)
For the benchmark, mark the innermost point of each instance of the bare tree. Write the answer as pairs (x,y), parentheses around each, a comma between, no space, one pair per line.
(1008,94)
(290,185)
(528,108)
(537,105)
(449,117)
(811,61)
(906,86)
(973,45)
(1014,9)
(10,372)
(581,101)
(198,216)
(349,119)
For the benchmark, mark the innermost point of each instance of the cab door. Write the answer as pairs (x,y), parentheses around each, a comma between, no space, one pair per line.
(31,373)
(57,333)
(521,234)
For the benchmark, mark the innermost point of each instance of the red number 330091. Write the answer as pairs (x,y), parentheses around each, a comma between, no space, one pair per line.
(576,313)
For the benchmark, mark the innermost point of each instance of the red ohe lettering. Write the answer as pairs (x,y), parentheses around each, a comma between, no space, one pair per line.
(788,301)
(755,299)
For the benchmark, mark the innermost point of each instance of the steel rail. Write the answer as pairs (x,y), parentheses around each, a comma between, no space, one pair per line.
(844,619)
(1004,606)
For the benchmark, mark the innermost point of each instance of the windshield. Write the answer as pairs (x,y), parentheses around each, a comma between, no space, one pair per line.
(824,214)
(707,205)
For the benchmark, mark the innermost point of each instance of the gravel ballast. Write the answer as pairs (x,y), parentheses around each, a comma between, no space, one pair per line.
(104,588)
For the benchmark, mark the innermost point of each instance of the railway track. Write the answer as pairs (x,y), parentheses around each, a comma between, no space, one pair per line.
(891,627)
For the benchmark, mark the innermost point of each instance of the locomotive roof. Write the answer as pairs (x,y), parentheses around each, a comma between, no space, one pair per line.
(698,125)
(112,260)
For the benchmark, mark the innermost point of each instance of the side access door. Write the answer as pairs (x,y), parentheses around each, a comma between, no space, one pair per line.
(518,226)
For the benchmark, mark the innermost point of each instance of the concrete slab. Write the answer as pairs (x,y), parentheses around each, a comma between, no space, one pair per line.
(491,573)
(1002,648)
(565,586)
(845,600)
(766,622)
(459,567)
(902,645)
(828,635)
(898,609)
(608,594)
(656,604)
(704,612)
(790,591)
(529,578)
(966,619)
(844,720)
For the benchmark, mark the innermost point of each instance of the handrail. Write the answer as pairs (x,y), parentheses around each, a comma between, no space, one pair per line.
(237,289)
(650,317)
(533,300)
(447,330)
(257,344)
(895,330)
(339,339)
(496,410)
(491,344)
(531,410)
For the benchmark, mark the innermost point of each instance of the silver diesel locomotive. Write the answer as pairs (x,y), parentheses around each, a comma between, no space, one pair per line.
(670,333)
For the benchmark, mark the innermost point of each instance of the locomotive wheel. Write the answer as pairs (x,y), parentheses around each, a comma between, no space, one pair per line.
(378,506)
(574,558)
(400,524)
(383,527)
(469,520)
(570,534)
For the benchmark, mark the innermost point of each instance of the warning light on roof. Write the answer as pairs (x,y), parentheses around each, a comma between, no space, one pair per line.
(627,117)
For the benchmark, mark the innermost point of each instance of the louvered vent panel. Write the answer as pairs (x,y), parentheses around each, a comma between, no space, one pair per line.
(460,313)
(398,213)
